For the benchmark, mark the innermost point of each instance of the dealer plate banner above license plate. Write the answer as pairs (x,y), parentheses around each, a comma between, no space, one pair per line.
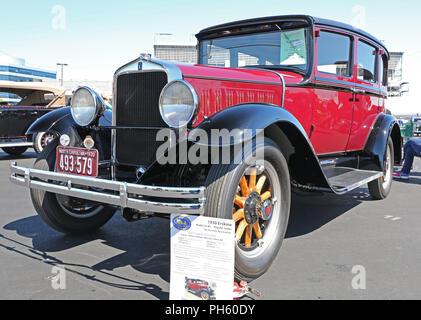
(77,161)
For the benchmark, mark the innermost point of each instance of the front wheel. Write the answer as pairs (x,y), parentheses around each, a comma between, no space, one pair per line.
(205,295)
(15,151)
(65,214)
(257,197)
(42,139)
(380,188)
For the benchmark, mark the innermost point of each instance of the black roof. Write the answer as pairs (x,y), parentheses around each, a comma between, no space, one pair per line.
(309,19)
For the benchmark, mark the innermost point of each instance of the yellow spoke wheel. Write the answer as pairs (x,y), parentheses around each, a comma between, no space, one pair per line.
(254,190)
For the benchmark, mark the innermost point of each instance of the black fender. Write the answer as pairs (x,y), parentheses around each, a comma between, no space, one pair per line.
(58,122)
(280,126)
(385,127)
(61,122)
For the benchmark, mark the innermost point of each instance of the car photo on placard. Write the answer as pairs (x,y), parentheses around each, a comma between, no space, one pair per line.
(199,290)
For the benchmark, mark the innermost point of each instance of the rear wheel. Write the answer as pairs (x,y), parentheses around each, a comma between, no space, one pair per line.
(380,188)
(257,197)
(15,151)
(65,214)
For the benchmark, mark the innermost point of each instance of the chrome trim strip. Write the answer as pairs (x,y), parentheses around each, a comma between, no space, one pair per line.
(351,86)
(16,144)
(233,80)
(148,65)
(121,194)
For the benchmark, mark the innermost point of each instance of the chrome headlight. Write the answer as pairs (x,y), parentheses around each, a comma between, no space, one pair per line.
(178,103)
(86,105)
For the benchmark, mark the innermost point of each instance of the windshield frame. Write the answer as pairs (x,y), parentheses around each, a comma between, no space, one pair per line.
(310,51)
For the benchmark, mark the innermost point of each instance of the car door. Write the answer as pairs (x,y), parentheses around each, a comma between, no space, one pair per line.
(333,105)
(368,99)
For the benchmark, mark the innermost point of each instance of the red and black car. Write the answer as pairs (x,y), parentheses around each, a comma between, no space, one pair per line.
(316,89)
(199,288)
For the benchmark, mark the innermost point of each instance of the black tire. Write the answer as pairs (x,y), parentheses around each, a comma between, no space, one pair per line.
(380,188)
(55,214)
(41,140)
(15,151)
(222,185)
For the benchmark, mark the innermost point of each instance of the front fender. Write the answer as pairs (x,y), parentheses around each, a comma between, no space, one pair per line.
(277,124)
(58,122)
(61,122)
(236,120)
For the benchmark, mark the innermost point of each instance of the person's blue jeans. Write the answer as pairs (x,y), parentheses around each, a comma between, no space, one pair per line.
(412,149)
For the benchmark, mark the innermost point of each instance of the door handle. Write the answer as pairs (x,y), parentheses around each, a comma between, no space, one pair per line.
(359,91)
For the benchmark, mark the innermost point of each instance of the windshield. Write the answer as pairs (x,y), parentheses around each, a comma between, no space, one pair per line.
(277,49)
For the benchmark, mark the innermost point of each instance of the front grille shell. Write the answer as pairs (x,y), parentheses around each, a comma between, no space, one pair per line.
(137,114)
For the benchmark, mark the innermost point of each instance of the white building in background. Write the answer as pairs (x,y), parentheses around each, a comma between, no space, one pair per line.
(15,69)
(404,81)
(176,52)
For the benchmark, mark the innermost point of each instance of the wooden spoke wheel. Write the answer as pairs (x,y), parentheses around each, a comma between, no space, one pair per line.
(257,195)
(253,206)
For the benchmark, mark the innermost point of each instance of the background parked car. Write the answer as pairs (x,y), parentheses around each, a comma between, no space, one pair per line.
(28,102)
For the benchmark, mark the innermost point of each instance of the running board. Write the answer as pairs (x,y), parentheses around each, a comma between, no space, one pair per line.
(344,180)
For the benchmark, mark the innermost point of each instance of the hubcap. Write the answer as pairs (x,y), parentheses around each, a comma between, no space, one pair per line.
(254,195)
(46,139)
(252,208)
(388,169)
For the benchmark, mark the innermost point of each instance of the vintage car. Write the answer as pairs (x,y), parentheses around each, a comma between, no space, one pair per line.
(303,96)
(28,102)
(199,288)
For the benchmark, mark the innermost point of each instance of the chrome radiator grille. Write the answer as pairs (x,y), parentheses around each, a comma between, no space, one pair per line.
(137,105)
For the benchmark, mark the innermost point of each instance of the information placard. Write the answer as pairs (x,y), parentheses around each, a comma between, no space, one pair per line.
(202,258)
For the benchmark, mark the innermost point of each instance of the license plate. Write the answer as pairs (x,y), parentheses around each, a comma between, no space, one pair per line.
(77,161)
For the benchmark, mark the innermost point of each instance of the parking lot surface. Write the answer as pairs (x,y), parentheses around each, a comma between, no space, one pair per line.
(328,238)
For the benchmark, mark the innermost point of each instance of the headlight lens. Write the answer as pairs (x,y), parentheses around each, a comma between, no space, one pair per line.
(178,103)
(85,106)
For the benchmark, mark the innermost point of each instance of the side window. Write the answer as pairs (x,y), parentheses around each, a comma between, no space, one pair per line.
(334,54)
(383,70)
(367,61)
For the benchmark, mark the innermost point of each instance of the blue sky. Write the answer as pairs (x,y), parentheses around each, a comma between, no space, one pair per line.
(99,36)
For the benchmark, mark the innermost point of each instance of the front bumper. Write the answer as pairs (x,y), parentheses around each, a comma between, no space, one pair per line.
(115,193)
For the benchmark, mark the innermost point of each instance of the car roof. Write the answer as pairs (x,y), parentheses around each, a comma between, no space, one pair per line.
(12,86)
(274,19)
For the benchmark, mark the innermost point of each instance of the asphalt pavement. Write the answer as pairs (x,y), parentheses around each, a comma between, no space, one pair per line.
(331,243)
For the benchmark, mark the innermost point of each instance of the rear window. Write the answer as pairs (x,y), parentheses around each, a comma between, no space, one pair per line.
(334,53)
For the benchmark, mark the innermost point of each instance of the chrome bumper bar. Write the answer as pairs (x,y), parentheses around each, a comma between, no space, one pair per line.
(120,194)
